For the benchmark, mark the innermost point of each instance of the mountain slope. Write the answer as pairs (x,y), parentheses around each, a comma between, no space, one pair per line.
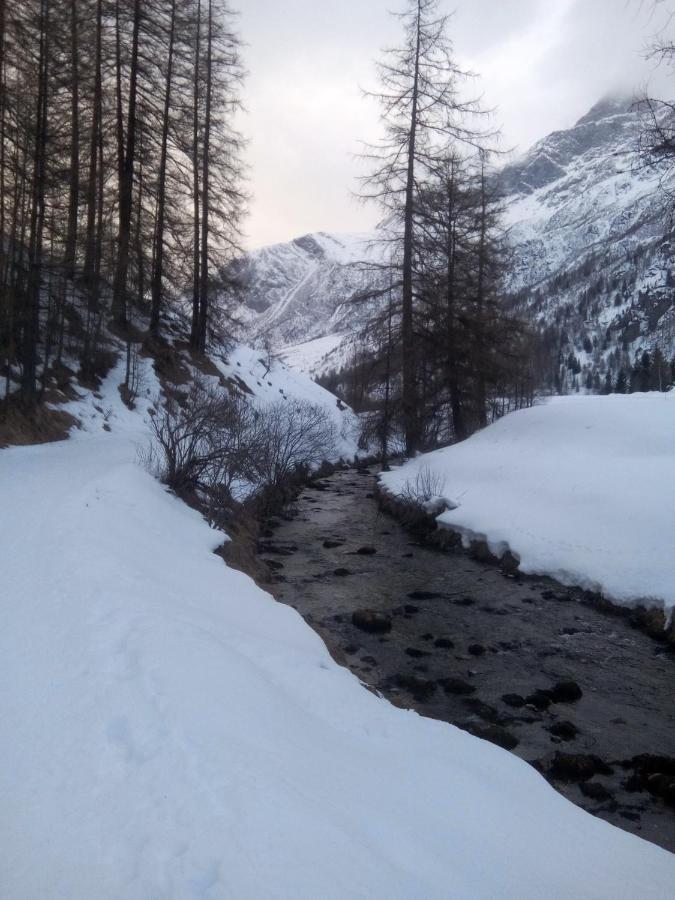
(308,288)
(591,243)
(591,260)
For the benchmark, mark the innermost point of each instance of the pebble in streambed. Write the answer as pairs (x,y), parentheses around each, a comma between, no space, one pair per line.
(552,679)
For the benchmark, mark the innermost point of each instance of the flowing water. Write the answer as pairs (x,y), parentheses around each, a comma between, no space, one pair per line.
(464,635)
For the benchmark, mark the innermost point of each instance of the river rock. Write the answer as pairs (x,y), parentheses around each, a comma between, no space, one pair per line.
(341,573)
(509,563)
(331,545)
(414,653)
(663,786)
(456,686)
(483,710)
(513,700)
(421,688)
(539,699)
(578,766)
(443,643)
(366,551)
(371,620)
(495,734)
(565,692)
(476,649)
(595,791)
(566,731)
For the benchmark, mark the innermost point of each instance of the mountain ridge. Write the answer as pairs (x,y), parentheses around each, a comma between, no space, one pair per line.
(590,268)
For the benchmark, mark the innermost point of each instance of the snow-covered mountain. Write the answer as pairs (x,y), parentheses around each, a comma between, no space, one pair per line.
(591,236)
(305,296)
(591,259)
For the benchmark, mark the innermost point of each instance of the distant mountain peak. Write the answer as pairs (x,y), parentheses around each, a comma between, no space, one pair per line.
(610,105)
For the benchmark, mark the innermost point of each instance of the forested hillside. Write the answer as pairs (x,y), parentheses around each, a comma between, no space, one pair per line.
(119,181)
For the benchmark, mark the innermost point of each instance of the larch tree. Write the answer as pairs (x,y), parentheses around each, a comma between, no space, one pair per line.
(423,113)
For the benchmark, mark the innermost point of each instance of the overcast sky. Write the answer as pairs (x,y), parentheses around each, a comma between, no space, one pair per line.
(543,63)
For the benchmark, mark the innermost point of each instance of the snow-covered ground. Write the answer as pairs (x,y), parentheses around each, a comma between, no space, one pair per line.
(319,355)
(581,488)
(170,731)
(271,381)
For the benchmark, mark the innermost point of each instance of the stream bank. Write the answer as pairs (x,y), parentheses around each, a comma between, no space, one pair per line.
(574,690)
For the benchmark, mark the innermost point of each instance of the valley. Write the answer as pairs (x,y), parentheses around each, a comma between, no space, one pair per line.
(463,643)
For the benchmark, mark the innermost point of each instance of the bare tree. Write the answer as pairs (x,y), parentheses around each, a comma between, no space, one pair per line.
(422,113)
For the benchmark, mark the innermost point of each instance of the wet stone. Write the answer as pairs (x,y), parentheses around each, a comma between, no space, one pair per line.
(539,699)
(414,653)
(578,766)
(371,621)
(630,815)
(595,791)
(476,649)
(421,688)
(483,710)
(443,643)
(366,551)
(331,545)
(565,692)
(663,786)
(456,686)
(566,731)
(341,573)
(495,734)
(513,700)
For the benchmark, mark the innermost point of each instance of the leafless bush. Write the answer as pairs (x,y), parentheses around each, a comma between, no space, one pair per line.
(202,442)
(427,486)
(225,449)
(292,434)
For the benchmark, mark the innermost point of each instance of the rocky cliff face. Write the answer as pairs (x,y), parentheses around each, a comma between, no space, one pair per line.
(591,265)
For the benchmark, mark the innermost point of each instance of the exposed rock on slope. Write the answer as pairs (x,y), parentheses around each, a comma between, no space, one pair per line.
(591,259)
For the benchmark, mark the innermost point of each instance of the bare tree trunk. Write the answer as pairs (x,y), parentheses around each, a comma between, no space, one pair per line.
(407,336)
(74,183)
(158,267)
(119,300)
(194,333)
(31,319)
(93,236)
(480,303)
(204,273)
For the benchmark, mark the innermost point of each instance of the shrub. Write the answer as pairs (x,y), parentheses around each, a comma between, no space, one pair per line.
(427,486)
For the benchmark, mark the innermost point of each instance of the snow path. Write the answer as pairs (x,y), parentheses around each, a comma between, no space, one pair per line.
(169,731)
(581,488)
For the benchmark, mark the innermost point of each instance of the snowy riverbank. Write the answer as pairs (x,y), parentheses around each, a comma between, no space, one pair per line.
(581,488)
(168,730)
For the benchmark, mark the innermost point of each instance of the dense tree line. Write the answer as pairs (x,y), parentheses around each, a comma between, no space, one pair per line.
(444,351)
(119,175)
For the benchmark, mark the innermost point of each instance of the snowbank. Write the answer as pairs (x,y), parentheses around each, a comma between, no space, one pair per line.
(169,731)
(581,488)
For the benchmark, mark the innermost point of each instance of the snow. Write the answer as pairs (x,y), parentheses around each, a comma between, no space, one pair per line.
(170,731)
(275,381)
(319,355)
(581,488)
